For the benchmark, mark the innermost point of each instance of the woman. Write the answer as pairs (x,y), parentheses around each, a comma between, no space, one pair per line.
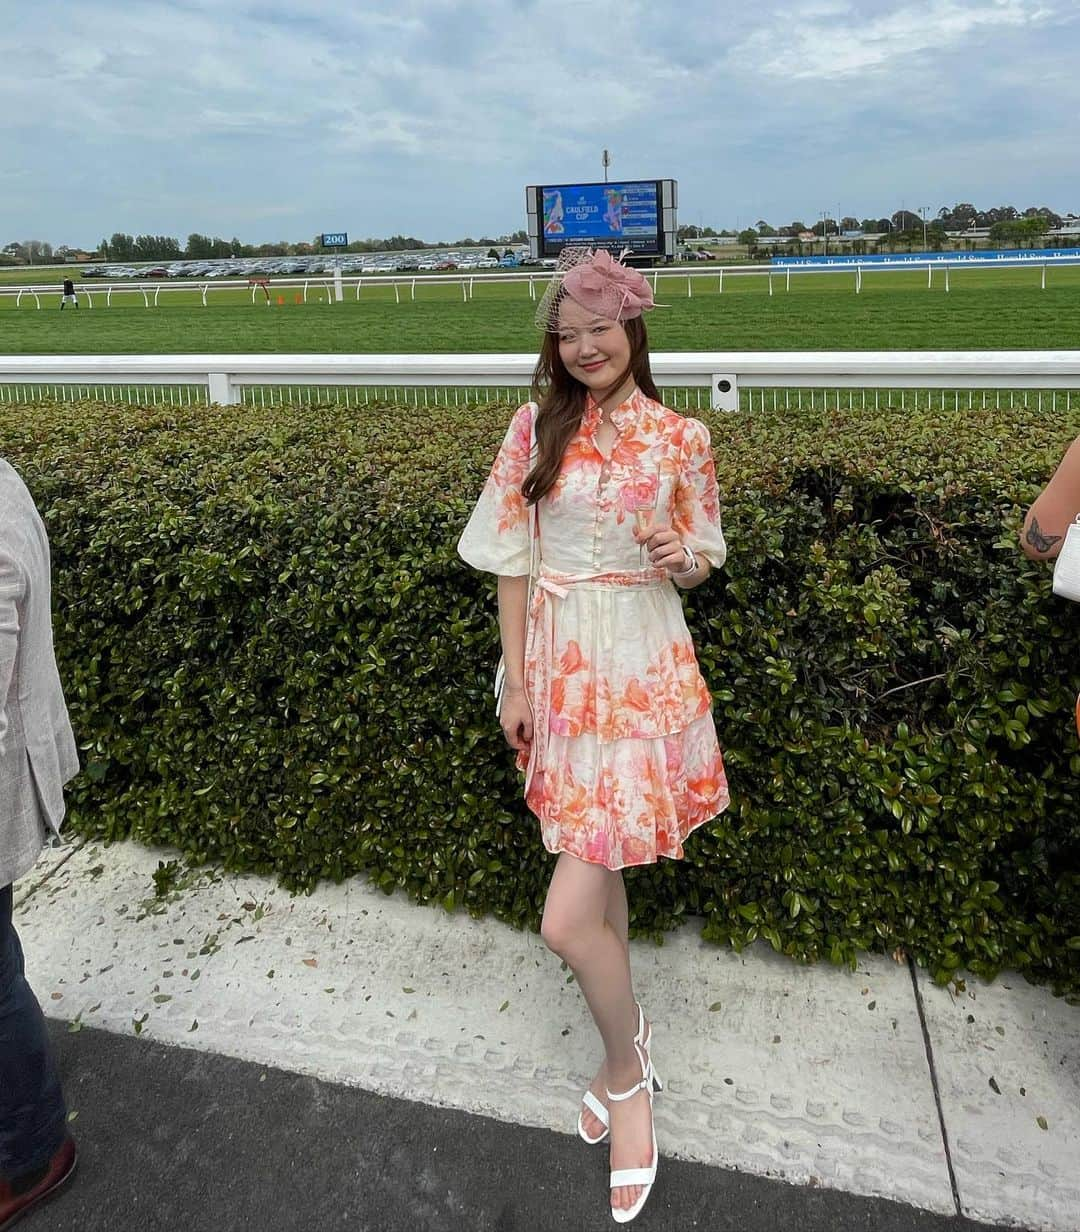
(1048,519)
(603,700)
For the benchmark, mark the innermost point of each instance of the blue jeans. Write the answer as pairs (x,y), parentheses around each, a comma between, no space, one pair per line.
(33,1117)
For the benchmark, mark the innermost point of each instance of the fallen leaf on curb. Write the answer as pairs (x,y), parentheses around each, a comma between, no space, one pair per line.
(503,1006)
(72,1115)
(994,1086)
(194,1025)
(311,962)
(716,1005)
(1041,1122)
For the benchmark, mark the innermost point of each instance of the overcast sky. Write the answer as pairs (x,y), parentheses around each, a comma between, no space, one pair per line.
(285,118)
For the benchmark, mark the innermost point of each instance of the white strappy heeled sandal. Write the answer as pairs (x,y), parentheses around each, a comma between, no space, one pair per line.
(637,1176)
(644,1038)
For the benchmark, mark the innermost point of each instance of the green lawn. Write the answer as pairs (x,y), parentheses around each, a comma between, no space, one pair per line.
(985,309)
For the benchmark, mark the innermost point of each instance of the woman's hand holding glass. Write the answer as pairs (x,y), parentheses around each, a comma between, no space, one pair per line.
(664,546)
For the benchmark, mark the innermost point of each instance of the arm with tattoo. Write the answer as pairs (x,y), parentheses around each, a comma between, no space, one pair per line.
(1055,507)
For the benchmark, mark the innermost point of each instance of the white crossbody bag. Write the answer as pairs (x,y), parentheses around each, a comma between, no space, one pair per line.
(534,538)
(1067,565)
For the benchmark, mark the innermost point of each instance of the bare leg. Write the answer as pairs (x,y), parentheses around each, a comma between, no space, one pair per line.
(576,927)
(618,912)
(617,915)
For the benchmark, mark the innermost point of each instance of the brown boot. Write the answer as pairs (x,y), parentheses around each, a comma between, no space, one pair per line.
(20,1194)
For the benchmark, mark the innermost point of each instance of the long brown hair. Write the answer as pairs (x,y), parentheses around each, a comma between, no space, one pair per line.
(561,399)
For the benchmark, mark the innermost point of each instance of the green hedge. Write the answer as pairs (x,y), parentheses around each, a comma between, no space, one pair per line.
(275,660)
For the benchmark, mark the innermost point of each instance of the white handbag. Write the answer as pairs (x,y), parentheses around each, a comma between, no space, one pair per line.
(534,535)
(1067,565)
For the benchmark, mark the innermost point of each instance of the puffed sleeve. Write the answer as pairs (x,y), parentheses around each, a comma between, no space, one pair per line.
(496,537)
(697,498)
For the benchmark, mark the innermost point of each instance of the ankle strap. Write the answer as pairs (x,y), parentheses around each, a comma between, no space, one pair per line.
(643,1085)
(646,1077)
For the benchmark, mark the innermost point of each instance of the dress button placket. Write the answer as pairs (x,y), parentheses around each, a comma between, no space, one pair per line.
(605,467)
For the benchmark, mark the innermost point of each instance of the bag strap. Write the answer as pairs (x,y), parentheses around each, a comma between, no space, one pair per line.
(534,516)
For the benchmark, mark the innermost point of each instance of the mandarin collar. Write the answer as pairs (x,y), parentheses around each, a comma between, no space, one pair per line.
(623,416)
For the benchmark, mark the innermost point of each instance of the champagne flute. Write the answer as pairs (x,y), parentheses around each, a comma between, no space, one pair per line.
(644,494)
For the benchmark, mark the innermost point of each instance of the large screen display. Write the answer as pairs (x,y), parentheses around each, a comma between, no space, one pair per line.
(613,216)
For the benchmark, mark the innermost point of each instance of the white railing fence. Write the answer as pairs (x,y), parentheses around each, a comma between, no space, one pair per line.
(726,381)
(328,289)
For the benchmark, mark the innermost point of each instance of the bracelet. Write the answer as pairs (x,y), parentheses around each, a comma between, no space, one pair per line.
(691,567)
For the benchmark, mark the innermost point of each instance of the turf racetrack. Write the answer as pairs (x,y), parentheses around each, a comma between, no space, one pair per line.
(998,309)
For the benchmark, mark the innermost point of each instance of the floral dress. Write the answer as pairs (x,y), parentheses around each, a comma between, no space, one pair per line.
(624,762)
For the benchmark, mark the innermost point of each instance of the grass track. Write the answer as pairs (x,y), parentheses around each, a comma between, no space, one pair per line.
(985,310)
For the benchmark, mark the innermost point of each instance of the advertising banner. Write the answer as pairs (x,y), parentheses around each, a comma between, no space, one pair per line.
(1011,255)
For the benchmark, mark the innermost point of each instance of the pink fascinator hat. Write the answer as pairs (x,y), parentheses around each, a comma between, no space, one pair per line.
(599,283)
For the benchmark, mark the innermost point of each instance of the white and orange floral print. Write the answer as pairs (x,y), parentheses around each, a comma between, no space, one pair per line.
(624,761)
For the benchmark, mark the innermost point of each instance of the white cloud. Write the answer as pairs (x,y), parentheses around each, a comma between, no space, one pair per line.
(836,40)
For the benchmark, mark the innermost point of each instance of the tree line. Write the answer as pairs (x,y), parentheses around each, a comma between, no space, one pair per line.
(1006,224)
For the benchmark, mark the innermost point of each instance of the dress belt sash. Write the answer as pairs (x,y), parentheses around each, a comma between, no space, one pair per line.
(540,650)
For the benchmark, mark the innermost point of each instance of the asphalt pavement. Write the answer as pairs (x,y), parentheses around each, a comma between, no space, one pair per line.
(175,1140)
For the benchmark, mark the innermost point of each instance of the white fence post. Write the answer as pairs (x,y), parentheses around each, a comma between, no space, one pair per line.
(221,389)
(725,391)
